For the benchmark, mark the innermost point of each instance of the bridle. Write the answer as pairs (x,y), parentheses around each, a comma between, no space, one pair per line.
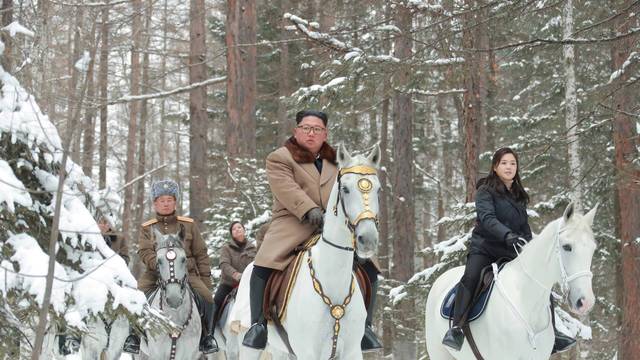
(565,279)
(171,256)
(364,186)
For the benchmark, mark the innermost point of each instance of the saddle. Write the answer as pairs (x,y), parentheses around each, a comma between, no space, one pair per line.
(280,284)
(481,295)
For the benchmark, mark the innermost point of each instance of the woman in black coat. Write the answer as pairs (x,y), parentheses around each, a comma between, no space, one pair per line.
(502,226)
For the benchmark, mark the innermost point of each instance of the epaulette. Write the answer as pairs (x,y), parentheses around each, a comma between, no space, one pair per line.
(150,222)
(185,219)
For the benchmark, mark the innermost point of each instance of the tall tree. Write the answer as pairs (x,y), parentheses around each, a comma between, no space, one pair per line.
(241,78)
(404,235)
(284,87)
(198,150)
(134,110)
(89,114)
(472,103)
(7,18)
(571,107)
(626,141)
(103,84)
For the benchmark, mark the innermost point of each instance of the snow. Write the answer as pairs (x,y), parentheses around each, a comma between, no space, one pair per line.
(93,277)
(33,265)
(11,189)
(16,28)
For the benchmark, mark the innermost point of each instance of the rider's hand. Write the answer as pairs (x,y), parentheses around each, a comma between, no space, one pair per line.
(513,239)
(314,217)
(237,276)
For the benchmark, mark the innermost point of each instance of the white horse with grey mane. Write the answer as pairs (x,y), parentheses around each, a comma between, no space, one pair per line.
(325,317)
(516,324)
(104,337)
(175,300)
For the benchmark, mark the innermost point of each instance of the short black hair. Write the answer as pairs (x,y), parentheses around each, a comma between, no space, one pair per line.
(319,114)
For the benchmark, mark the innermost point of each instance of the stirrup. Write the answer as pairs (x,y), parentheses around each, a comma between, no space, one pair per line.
(208,345)
(562,342)
(131,345)
(369,340)
(256,336)
(454,338)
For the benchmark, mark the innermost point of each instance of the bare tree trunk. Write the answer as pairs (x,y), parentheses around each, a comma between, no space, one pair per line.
(162,147)
(404,238)
(74,56)
(241,78)
(284,87)
(144,117)
(472,105)
(571,104)
(55,226)
(104,95)
(198,193)
(441,166)
(134,110)
(42,43)
(89,115)
(7,18)
(625,138)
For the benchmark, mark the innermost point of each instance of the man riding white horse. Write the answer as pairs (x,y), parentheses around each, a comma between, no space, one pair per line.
(301,175)
(164,195)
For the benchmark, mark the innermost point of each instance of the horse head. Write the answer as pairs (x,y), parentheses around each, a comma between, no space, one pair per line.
(576,245)
(358,189)
(172,267)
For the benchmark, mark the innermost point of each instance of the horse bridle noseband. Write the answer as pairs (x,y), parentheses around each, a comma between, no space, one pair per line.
(171,257)
(364,186)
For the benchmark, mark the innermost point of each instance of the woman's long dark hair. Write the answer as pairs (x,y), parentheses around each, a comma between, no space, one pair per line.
(494,182)
(231,228)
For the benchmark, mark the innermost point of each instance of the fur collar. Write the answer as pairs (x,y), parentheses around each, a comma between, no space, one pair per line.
(302,155)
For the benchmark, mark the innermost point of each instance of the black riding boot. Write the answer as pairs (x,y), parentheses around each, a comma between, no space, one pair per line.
(132,343)
(562,342)
(68,344)
(369,340)
(454,338)
(208,343)
(256,336)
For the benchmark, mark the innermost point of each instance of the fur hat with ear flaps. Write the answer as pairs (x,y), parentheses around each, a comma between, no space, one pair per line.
(165,187)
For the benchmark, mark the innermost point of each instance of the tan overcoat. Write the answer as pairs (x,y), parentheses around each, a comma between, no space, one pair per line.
(297,187)
(198,262)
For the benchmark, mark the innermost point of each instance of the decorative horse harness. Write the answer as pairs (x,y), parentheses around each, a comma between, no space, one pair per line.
(162,284)
(365,186)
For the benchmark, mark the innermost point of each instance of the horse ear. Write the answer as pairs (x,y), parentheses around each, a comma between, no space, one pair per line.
(568,212)
(375,155)
(591,214)
(343,155)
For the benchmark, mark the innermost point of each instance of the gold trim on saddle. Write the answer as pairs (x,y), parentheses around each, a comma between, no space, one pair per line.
(294,274)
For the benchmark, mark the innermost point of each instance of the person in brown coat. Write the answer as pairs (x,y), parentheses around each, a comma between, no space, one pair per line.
(235,255)
(165,194)
(116,241)
(301,175)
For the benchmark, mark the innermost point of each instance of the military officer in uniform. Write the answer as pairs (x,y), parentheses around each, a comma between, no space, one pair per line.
(165,194)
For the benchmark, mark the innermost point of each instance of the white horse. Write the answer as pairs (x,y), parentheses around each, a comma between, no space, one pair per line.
(104,338)
(516,324)
(328,320)
(176,301)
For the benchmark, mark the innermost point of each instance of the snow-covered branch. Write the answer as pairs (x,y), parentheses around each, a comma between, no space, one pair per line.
(129,98)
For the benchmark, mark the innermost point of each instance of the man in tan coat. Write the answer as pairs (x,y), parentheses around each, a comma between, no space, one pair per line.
(165,194)
(301,175)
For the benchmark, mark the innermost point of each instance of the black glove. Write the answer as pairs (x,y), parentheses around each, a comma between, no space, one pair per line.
(314,217)
(513,239)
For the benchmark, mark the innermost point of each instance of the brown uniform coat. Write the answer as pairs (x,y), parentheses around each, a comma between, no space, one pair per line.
(198,262)
(233,259)
(297,187)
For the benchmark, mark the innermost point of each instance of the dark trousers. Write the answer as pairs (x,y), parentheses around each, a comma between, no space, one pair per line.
(221,293)
(467,285)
